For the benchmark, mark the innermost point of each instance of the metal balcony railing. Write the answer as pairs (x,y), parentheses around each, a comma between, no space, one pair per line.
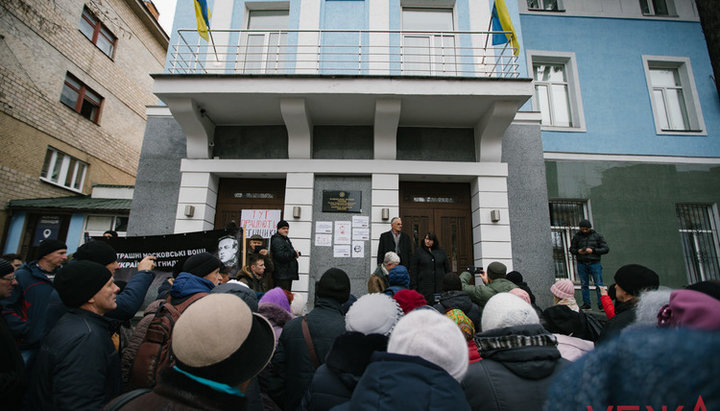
(343,52)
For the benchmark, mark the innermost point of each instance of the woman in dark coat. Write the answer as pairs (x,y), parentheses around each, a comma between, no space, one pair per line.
(428,267)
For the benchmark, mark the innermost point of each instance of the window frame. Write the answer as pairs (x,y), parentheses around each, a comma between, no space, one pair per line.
(560,6)
(64,170)
(669,4)
(696,121)
(567,59)
(696,271)
(113,224)
(567,232)
(97,26)
(82,96)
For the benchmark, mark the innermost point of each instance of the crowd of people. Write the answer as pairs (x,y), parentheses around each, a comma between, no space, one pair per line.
(420,339)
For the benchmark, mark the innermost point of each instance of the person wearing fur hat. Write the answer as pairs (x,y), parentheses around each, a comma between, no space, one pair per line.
(630,281)
(587,245)
(26,309)
(284,257)
(13,379)
(493,282)
(520,358)
(216,357)
(77,366)
(297,357)
(369,322)
(453,297)
(426,358)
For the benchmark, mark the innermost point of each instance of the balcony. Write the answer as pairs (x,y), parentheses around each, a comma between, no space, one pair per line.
(343,52)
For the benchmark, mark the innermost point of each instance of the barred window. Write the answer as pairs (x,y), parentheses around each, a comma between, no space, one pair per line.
(565,215)
(698,231)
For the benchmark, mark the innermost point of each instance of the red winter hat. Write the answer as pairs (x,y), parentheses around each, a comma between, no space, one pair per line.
(409,300)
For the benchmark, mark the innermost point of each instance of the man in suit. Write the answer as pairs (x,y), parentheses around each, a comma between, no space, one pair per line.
(395,240)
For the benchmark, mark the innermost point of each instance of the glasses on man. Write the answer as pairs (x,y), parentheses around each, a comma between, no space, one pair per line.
(8,278)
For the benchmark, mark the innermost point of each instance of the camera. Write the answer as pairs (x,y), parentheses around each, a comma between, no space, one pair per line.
(473,270)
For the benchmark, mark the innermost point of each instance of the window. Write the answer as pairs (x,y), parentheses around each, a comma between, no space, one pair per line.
(81,98)
(428,44)
(698,231)
(658,7)
(557,93)
(565,215)
(96,225)
(545,5)
(96,32)
(266,48)
(63,170)
(674,101)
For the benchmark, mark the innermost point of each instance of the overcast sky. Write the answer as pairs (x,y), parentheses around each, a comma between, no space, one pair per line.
(167,12)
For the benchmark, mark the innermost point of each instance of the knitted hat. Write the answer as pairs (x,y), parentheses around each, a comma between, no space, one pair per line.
(506,310)
(463,322)
(98,251)
(515,277)
(522,294)
(409,300)
(5,268)
(633,278)
(282,223)
(243,292)
(298,306)
(79,281)
(563,289)
(451,282)
(228,349)
(278,297)
(48,246)
(691,309)
(334,284)
(433,337)
(584,223)
(399,275)
(496,270)
(373,314)
(202,264)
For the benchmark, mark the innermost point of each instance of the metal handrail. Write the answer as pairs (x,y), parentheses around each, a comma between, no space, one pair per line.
(330,52)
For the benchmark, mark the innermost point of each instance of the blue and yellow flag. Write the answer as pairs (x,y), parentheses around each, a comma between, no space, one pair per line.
(501,22)
(203,18)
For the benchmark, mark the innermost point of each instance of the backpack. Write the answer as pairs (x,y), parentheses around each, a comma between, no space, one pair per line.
(154,354)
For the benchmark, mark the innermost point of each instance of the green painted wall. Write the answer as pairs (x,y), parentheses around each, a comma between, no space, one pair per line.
(633,206)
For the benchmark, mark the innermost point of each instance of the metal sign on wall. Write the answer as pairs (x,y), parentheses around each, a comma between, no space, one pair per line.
(342,201)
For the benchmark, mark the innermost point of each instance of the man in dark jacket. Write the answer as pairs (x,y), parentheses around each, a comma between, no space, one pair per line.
(395,240)
(587,246)
(77,366)
(25,310)
(520,358)
(284,257)
(453,297)
(630,281)
(12,369)
(293,365)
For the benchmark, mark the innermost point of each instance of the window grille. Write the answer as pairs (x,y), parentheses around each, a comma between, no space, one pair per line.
(565,215)
(698,231)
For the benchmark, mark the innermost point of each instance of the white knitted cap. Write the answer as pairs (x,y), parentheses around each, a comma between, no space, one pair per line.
(373,314)
(434,337)
(507,310)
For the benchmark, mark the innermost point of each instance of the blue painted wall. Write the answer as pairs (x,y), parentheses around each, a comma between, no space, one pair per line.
(75,232)
(616,102)
(15,231)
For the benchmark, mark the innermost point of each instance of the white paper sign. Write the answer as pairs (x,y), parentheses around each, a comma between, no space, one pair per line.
(361,234)
(358,249)
(323,240)
(323,227)
(361,221)
(262,222)
(342,232)
(341,251)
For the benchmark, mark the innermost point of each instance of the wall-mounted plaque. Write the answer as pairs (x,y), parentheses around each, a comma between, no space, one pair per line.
(342,201)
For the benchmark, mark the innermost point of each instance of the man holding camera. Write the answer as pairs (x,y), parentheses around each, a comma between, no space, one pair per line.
(493,282)
(587,246)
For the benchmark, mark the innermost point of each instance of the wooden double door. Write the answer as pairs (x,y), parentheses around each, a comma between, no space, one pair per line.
(443,209)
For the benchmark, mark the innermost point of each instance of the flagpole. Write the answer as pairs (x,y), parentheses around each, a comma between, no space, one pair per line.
(212,41)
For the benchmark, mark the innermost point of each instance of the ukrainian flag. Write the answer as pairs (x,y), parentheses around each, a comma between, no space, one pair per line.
(501,22)
(203,19)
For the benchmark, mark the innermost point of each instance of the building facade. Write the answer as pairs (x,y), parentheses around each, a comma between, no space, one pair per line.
(75,83)
(402,108)
(630,131)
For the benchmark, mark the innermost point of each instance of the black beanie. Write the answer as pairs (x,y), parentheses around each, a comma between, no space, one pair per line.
(634,278)
(79,281)
(97,251)
(334,284)
(202,264)
(48,246)
(282,223)
(585,223)
(451,282)
(515,277)
(5,268)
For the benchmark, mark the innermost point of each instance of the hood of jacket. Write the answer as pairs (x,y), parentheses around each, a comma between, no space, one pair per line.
(187,284)
(528,351)
(274,313)
(456,299)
